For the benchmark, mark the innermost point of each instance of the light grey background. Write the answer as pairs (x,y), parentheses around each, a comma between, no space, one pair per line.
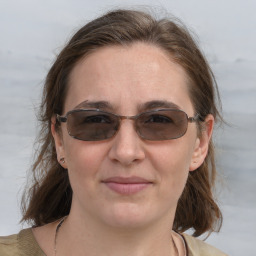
(32,33)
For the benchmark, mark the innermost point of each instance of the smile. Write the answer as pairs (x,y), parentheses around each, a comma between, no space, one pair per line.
(127,186)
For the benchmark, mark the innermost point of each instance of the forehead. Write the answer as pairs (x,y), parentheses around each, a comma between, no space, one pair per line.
(128,76)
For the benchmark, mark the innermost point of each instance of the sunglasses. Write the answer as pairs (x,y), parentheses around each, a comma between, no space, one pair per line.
(156,125)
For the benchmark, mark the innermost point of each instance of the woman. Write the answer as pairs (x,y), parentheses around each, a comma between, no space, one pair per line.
(126,161)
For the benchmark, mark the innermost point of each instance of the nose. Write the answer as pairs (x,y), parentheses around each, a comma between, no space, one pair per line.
(127,146)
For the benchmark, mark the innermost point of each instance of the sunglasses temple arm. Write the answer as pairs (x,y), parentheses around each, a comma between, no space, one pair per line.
(197,117)
(62,119)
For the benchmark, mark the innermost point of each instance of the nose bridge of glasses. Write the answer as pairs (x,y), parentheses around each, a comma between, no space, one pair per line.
(132,118)
(127,117)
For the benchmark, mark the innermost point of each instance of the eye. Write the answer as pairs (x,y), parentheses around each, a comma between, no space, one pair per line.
(97,119)
(159,119)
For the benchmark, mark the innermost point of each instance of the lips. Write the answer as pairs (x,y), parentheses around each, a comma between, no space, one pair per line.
(127,185)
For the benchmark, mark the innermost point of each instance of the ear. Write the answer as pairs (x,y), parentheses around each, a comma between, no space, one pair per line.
(202,143)
(58,143)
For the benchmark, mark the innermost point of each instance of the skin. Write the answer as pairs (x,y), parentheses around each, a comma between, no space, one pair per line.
(137,224)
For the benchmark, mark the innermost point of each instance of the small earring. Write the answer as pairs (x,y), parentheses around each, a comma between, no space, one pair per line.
(62,160)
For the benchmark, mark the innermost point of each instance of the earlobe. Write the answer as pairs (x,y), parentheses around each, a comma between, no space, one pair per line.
(202,144)
(58,143)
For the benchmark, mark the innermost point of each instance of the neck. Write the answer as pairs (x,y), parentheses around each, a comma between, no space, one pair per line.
(90,238)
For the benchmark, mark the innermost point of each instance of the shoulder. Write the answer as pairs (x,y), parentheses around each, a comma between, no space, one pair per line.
(21,244)
(197,247)
(9,245)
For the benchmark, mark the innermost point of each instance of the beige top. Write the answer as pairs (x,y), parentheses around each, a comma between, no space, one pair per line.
(25,244)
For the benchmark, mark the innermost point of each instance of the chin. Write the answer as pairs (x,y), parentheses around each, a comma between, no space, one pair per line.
(129,216)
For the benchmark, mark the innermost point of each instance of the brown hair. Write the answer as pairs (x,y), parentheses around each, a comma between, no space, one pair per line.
(49,197)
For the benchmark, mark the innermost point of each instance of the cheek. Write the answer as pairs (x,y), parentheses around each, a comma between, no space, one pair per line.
(84,160)
(172,162)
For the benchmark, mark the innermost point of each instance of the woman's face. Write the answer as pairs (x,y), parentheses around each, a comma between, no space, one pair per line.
(128,79)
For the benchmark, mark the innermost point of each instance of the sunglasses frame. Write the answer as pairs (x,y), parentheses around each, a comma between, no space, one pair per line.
(64,119)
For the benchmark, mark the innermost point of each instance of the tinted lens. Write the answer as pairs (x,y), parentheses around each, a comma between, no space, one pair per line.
(162,124)
(92,125)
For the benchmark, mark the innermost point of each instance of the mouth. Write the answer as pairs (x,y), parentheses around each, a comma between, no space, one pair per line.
(127,185)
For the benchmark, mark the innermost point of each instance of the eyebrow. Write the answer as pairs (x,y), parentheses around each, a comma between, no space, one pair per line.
(95,104)
(105,105)
(158,104)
